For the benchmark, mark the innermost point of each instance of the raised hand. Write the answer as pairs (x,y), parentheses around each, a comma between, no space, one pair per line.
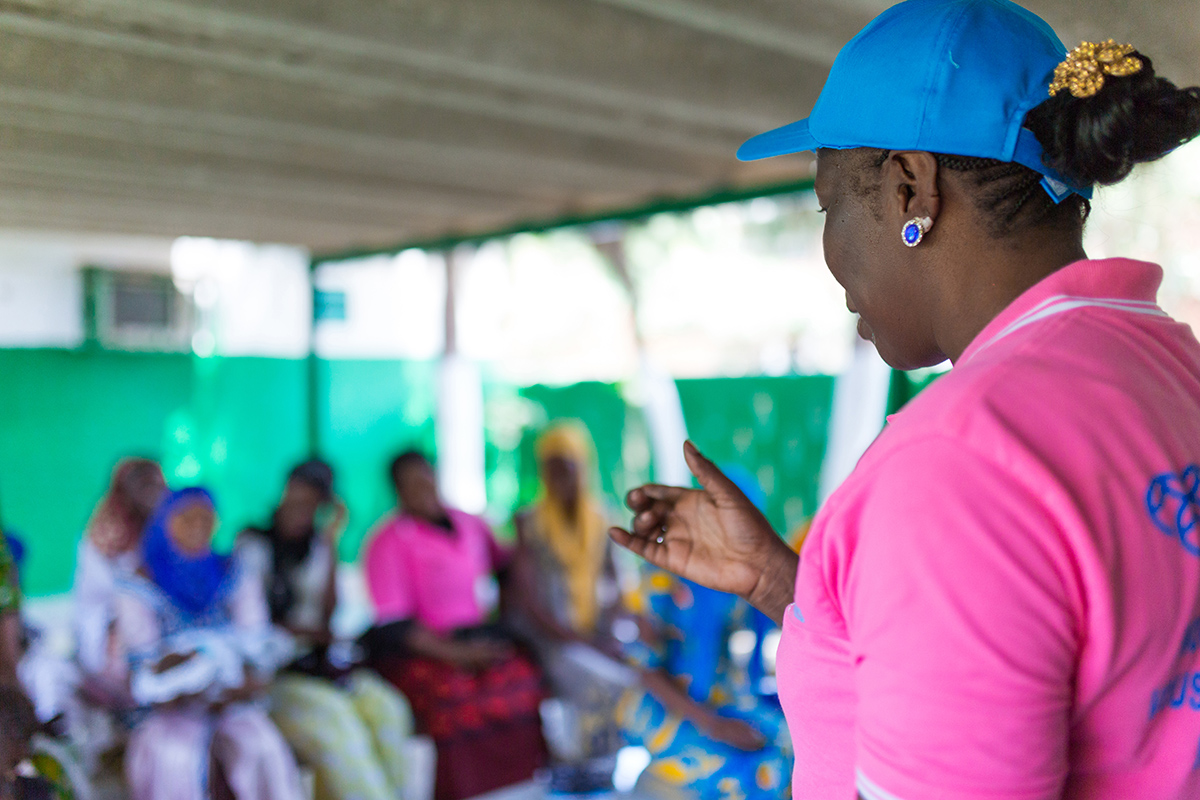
(713,536)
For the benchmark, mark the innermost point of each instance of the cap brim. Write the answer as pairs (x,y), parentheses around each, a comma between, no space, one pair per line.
(791,138)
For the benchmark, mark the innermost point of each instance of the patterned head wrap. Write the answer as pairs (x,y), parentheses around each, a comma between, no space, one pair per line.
(577,541)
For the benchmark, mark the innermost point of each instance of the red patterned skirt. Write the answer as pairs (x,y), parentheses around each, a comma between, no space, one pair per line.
(485,724)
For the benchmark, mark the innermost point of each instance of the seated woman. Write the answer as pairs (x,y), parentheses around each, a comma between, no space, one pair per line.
(111,549)
(44,774)
(195,630)
(709,734)
(428,571)
(349,726)
(564,590)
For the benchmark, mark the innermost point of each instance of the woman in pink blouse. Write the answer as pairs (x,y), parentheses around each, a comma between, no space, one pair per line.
(431,572)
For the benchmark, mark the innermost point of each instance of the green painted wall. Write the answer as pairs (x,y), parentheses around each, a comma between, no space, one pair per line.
(238,424)
(776,428)
(370,411)
(67,416)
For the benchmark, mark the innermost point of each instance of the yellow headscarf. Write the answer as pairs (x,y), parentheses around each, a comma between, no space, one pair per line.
(578,544)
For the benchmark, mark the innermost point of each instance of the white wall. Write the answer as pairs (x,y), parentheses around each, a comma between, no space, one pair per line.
(254,300)
(41,291)
(394,307)
(40,306)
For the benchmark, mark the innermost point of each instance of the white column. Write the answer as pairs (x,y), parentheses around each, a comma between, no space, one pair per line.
(664,417)
(460,445)
(459,423)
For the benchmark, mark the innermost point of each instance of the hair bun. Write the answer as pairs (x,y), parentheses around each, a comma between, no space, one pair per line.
(1131,120)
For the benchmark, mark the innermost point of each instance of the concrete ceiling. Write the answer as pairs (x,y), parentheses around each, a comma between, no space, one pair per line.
(341,123)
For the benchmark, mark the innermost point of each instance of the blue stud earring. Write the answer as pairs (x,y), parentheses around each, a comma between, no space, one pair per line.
(914,230)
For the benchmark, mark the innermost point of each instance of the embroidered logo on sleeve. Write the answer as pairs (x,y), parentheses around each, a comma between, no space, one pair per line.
(1174,506)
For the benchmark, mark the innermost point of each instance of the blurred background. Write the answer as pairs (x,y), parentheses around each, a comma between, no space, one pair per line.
(236,234)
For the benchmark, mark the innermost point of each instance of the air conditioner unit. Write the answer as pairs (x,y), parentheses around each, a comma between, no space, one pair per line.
(138,311)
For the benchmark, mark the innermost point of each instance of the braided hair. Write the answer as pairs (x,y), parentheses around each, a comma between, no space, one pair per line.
(1095,140)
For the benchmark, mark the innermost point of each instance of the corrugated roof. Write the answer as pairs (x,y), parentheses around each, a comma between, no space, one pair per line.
(359,123)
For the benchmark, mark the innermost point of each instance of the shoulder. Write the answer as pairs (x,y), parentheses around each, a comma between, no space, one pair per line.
(993,408)
(243,568)
(252,540)
(943,510)
(921,473)
(135,587)
(393,531)
(256,536)
(252,552)
(469,522)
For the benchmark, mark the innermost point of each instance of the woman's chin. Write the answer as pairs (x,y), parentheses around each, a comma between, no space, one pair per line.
(907,361)
(864,330)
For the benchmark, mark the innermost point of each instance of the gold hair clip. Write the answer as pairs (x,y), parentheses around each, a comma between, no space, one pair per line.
(1084,69)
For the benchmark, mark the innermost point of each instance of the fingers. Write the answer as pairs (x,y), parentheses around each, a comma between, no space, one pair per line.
(711,478)
(654,521)
(653,506)
(643,496)
(650,549)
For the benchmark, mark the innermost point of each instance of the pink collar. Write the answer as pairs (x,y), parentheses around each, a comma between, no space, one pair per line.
(1116,283)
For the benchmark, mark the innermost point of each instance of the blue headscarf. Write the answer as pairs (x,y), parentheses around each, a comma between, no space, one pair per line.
(16,549)
(194,584)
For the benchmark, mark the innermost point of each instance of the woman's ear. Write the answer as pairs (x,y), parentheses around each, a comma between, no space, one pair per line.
(910,186)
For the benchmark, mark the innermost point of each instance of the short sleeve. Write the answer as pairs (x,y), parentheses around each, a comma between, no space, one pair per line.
(253,554)
(248,599)
(94,591)
(959,610)
(388,579)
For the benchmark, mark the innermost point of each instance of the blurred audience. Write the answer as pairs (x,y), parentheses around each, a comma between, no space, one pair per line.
(223,670)
(195,630)
(348,725)
(564,590)
(431,572)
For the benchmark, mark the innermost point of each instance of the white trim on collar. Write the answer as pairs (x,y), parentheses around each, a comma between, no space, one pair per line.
(869,789)
(1065,302)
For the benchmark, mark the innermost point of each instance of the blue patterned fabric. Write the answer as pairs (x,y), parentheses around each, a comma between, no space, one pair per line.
(696,624)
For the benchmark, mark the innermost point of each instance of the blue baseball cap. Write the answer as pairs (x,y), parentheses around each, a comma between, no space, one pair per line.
(943,76)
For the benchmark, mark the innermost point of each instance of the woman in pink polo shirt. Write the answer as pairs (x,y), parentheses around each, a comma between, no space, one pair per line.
(431,572)
(1003,599)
